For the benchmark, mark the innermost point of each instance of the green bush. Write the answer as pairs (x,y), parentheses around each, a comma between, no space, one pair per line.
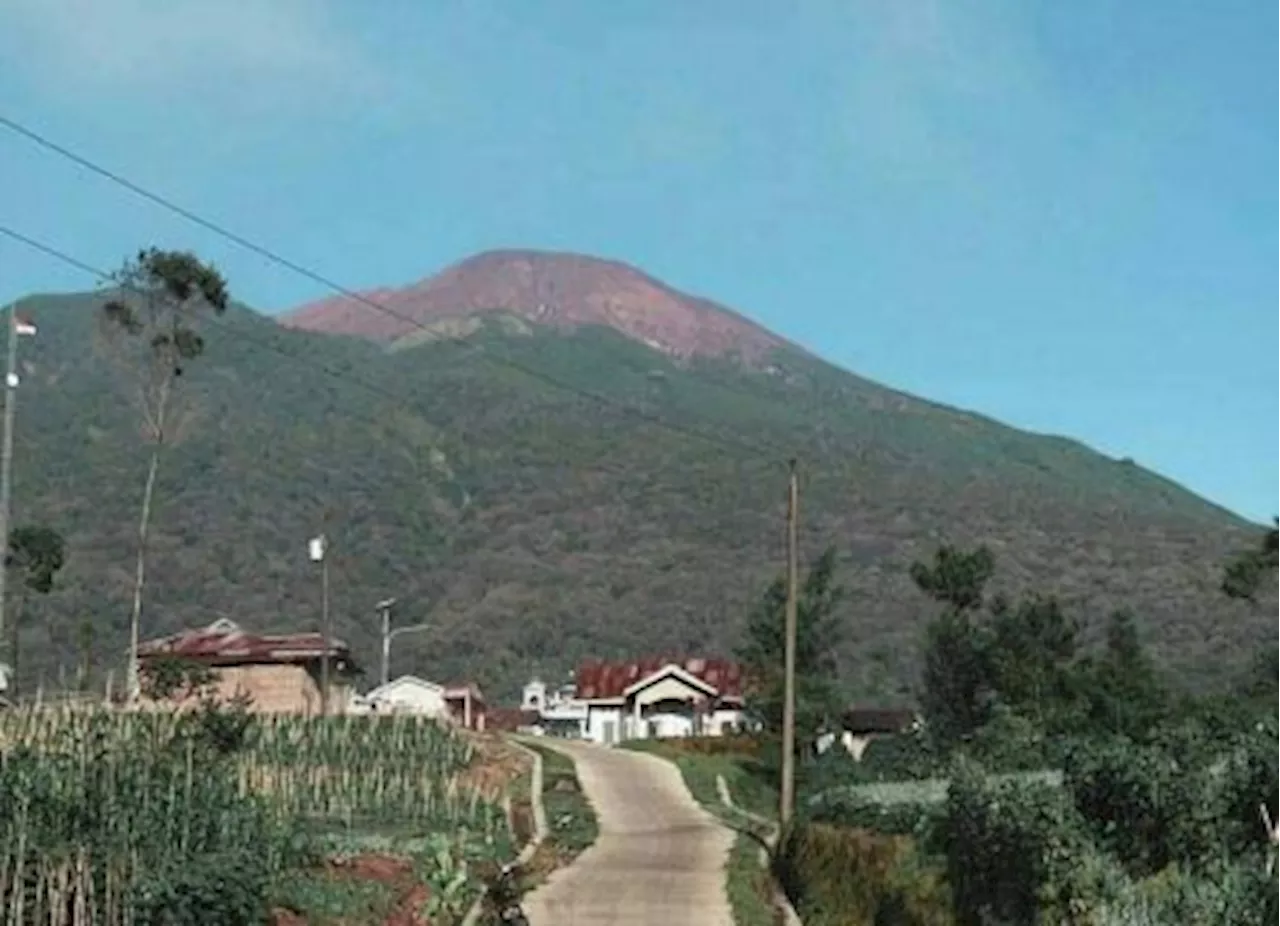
(1010,742)
(1147,804)
(1232,894)
(1249,781)
(851,809)
(896,758)
(841,876)
(1018,852)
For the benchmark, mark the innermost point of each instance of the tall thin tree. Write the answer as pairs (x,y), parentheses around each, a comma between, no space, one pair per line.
(152,322)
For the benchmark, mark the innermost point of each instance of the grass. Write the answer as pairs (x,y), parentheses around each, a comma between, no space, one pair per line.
(572,825)
(748,883)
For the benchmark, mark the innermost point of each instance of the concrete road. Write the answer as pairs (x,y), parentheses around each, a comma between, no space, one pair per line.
(660,857)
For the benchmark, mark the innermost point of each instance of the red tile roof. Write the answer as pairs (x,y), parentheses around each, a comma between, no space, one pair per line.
(597,680)
(225,643)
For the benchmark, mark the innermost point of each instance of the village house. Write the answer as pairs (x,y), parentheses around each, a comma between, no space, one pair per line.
(860,725)
(279,673)
(660,698)
(407,694)
(461,704)
(553,711)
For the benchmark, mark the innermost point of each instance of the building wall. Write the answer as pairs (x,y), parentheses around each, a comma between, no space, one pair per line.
(604,723)
(278,689)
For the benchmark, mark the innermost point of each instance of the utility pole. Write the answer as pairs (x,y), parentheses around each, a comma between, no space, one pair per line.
(388,634)
(384,607)
(787,796)
(17,327)
(319,553)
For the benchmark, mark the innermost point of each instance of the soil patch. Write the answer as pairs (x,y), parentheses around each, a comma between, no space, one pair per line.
(394,872)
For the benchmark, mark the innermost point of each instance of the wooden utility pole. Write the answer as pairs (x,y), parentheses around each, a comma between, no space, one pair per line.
(787,796)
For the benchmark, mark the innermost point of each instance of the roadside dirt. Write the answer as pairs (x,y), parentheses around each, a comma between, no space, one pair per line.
(496,766)
(393,871)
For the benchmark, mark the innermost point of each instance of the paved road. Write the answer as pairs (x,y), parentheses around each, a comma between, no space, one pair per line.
(660,857)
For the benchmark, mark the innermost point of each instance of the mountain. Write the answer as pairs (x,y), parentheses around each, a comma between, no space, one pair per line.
(540,493)
(563,291)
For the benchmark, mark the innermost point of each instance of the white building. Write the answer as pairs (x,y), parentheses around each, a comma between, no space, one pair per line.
(406,695)
(559,712)
(659,698)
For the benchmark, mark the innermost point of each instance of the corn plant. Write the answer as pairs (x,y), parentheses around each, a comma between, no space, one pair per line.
(114,817)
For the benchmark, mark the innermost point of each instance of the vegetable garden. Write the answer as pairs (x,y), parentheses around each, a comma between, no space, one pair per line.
(197,817)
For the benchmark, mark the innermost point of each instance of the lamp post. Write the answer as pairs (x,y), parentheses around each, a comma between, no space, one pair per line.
(388,634)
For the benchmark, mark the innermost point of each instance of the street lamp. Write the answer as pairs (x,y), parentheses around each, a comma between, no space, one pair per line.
(384,608)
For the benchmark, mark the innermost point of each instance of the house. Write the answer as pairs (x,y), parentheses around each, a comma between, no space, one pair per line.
(659,698)
(465,705)
(859,726)
(555,712)
(407,694)
(280,673)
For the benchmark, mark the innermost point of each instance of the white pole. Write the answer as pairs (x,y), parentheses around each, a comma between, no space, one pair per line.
(6,453)
(386,643)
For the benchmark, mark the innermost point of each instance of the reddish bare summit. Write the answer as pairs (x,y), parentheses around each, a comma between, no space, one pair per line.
(550,289)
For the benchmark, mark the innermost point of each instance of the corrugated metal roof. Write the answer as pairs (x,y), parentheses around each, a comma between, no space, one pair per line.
(597,680)
(226,642)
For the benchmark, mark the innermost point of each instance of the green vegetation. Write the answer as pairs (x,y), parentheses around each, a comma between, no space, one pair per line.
(1052,784)
(35,556)
(571,821)
(210,815)
(749,884)
(563,527)
(817,693)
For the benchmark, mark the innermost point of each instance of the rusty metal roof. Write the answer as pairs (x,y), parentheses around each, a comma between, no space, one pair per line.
(597,680)
(225,643)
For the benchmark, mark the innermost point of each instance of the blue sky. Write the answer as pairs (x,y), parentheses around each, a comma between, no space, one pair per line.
(1060,214)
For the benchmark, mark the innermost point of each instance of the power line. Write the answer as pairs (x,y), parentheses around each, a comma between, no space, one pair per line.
(276,258)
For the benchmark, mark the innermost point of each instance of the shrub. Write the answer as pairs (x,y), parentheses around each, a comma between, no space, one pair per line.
(897,758)
(1017,851)
(1231,894)
(841,876)
(1248,782)
(895,818)
(1145,804)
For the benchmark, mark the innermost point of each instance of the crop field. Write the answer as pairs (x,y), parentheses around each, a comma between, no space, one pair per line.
(111,818)
(921,790)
